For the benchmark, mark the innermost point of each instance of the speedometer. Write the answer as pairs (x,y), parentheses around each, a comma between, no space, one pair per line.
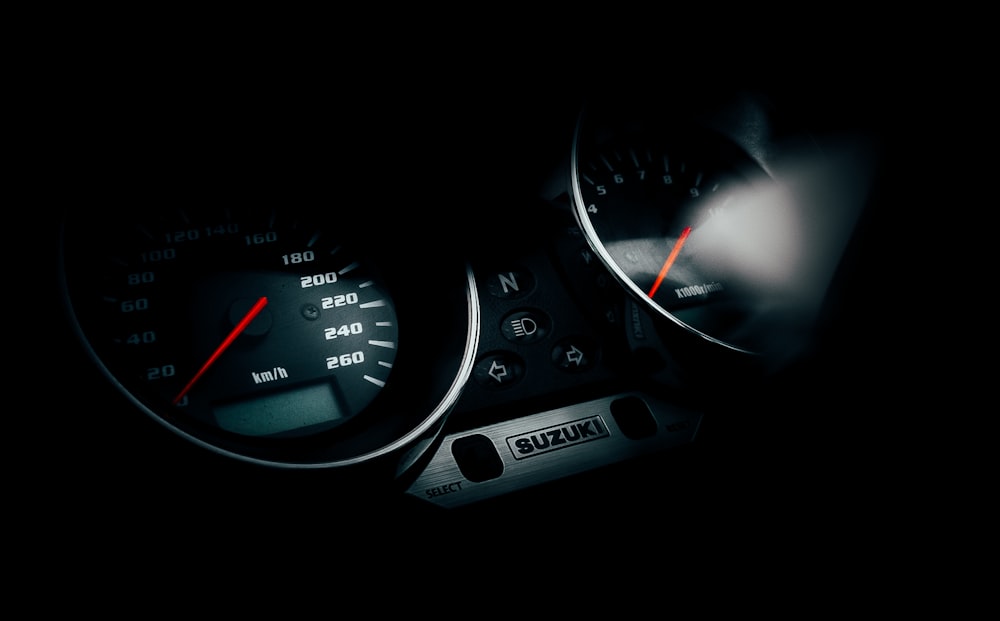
(272,335)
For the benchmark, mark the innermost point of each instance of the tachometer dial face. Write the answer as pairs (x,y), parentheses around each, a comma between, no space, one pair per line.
(685,219)
(264,333)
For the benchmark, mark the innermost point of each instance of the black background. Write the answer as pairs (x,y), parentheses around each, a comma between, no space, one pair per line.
(804,460)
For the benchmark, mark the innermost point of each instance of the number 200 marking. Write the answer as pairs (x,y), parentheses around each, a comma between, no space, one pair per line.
(318,279)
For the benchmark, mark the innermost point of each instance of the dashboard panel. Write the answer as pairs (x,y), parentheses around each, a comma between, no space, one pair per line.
(536,375)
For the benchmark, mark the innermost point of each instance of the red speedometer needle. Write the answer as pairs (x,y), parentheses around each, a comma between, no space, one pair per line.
(240,327)
(670,260)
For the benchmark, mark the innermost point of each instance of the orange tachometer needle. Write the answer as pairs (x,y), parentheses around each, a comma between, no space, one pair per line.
(670,260)
(240,327)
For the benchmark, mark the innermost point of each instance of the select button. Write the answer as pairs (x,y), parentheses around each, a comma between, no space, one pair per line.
(477,458)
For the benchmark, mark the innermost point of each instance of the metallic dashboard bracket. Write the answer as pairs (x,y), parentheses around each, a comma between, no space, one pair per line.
(489,461)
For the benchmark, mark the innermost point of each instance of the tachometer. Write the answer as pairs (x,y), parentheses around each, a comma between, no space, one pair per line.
(692,221)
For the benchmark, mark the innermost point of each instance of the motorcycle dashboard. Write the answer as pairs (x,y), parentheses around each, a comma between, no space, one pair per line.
(642,303)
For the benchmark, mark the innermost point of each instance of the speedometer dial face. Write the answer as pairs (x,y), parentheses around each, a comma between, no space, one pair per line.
(261,332)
